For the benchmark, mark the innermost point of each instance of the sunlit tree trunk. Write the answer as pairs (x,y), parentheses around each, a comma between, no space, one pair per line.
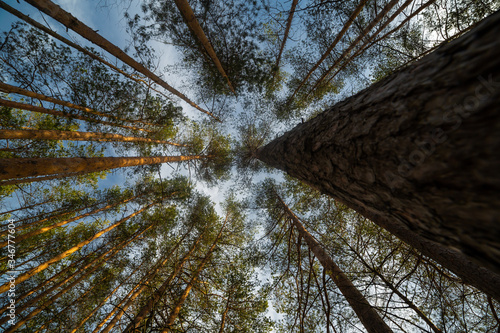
(68,20)
(45,265)
(62,223)
(43,28)
(190,19)
(14,168)
(365,312)
(32,302)
(76,136)
(416,153)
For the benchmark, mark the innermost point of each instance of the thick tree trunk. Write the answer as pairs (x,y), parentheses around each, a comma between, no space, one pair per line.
(76,136)
(68,20)
(417,153)
(12,168)
(365,312)
(191,21)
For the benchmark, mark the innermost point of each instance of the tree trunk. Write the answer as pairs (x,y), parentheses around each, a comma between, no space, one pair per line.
(76,136)
(45,265)
(342,32)
(395,290)
(61,223)
(417,153)
(362,35)
(70,22)
(84,320)
(12,168)
(177,308)
(148,307)
(16,90)
(150,276)
(57,113)
(365,312)
(191,21)
(287,30)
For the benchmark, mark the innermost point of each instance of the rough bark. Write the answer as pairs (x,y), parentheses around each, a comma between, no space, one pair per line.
(365,312)
(12,168)
(417,153)
(76,136)
(70,22)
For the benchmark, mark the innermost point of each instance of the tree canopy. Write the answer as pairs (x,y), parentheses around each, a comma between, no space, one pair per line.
(150,179)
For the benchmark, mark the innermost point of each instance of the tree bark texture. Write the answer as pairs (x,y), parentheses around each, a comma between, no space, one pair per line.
(417,153)
(11,168)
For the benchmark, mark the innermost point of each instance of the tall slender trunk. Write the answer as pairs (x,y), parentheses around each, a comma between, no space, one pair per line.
(395,290)
(42,178)
(178,305)
(16,90)
(57,113)
(365,312)
(337,39)
(26,207)
(62,223)
(416,154)
(99,260)
(13,168)
(151,275)
(43,28)
(148,307)
(70,22)
(362,35)
(45,265)
(369,40)
(96,308)
(193,24)
(76,136)
(287,31)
